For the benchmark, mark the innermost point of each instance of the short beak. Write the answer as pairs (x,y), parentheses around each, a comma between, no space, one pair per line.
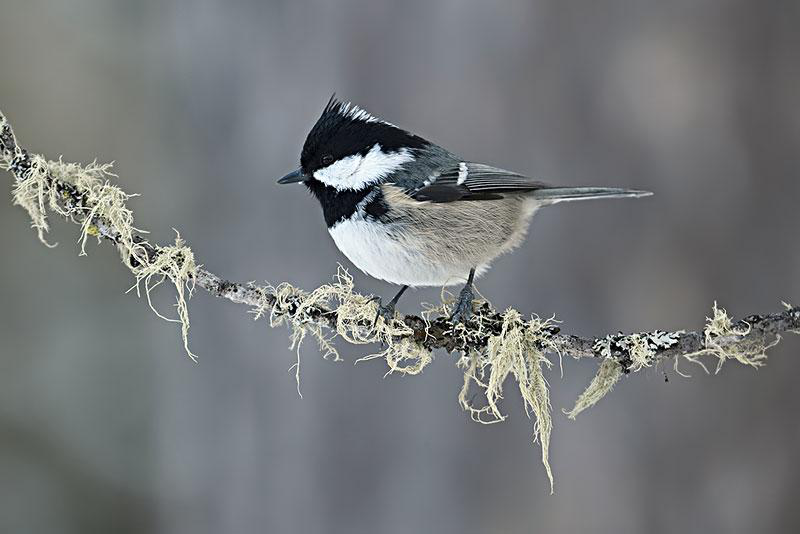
(293,177)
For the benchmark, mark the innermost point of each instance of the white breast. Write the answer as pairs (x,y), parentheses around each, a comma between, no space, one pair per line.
(383,253)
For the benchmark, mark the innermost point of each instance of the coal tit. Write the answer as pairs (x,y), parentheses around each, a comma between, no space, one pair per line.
(407,211)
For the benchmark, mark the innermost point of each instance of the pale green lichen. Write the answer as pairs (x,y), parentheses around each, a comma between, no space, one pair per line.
(518,350)
(634,346)
(637,351)
(101,209)
(35,196)
(404,356)
(726,341)
(176,264)
(607,376)
(355,323)
(640,352)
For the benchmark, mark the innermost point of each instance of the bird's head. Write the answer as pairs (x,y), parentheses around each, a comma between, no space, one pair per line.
(349,149)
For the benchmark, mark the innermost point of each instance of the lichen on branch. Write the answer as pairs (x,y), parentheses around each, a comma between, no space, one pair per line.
(493,347)
(85,195)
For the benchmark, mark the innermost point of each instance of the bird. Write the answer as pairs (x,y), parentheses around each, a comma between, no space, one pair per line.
(407,211)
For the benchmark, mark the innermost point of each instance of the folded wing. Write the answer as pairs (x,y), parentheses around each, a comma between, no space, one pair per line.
(478,181)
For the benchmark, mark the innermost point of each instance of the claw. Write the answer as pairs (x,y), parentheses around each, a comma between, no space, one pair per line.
(463,307)
(386,311)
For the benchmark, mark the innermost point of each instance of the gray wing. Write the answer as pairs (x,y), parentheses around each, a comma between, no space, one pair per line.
(472,181)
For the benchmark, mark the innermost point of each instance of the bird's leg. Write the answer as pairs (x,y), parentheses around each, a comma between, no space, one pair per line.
(387,311)
(463,308)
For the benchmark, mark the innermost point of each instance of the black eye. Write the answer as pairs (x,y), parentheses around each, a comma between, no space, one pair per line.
(327,159)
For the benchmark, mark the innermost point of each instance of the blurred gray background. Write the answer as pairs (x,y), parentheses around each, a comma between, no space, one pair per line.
(105,424)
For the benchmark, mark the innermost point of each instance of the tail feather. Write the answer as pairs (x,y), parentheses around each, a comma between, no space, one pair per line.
(552,195)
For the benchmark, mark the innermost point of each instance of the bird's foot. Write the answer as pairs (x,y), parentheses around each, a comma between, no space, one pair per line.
(463,308)
(386,311)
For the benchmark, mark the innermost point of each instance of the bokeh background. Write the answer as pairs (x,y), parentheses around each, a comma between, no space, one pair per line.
(105,424)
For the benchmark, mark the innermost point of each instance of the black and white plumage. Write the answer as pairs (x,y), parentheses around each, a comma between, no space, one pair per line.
(405,210)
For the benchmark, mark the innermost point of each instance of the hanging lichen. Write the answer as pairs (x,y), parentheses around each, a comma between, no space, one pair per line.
(607,376)
(85,195)
(518,350)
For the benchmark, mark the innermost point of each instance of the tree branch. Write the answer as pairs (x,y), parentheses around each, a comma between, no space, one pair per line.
(492,344)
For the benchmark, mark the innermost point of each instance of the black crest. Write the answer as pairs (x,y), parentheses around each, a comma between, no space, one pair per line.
(343,130)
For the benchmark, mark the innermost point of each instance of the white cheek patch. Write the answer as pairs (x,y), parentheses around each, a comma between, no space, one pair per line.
(355,172)
(340,173)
